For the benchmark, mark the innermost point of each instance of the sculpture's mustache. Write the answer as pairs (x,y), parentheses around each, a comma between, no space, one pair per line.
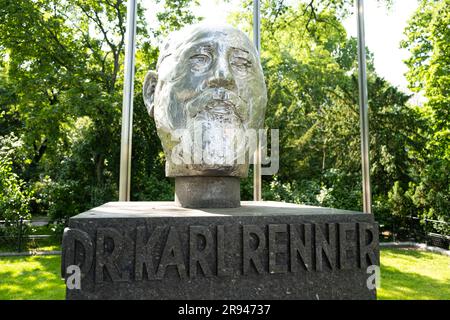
(219,101)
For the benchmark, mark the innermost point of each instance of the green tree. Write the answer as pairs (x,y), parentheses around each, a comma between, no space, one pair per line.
(311,73)
(428,40)
(15,197)
(62,96)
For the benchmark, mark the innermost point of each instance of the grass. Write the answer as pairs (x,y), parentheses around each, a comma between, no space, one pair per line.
(31,278)
(413,274)
(405,274)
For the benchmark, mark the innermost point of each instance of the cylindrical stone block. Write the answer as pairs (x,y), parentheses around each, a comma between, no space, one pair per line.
(207,192)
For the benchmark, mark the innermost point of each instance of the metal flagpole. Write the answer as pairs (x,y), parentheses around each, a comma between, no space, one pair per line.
(364,109)
(127,109)
(257,155)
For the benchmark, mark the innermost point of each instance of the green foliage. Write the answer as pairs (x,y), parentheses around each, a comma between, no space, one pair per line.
(398,201)
(14,201)
(176,14)
(14,195)
(428,40)
(292,192)
(62,96)
(148,162)
(313,100)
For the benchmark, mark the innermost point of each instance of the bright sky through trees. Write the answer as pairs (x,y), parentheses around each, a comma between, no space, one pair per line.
(384,31)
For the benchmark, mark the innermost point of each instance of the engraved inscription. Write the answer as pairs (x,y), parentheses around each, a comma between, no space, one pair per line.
(300,244)
(200,246)
(108,254)
(253,243)
(172,255)
(276,249)
(203,251)
(145,251)
(368,242)
(74,239)
(325,244)
(347,245)
(222,269)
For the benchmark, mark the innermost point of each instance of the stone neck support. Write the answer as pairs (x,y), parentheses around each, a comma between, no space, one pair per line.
(207,192)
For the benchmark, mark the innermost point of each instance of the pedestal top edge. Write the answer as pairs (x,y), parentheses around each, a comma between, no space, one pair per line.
(145,209)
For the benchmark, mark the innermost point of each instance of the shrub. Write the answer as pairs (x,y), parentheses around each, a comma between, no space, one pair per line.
(14,199)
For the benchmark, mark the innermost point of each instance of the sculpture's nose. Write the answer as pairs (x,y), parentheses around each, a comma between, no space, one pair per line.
(221,75)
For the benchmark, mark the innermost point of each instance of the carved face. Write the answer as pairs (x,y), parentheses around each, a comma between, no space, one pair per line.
(208,91)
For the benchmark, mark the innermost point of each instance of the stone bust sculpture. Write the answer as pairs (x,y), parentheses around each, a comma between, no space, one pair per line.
(207,93)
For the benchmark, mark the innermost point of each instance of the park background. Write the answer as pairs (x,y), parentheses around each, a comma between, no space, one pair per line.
(61,81)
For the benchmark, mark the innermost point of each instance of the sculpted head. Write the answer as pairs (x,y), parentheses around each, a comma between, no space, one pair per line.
(207,91)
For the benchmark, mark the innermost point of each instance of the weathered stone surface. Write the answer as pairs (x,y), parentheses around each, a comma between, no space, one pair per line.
(261,250)
(207,192)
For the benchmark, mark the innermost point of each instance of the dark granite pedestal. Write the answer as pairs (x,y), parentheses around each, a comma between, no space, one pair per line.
(261,250)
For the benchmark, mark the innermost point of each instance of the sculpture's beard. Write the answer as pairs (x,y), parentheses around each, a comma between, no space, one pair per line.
(210,142)
(215,139)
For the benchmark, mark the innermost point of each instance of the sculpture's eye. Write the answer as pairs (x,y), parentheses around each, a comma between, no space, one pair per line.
(241,65)
(200,62)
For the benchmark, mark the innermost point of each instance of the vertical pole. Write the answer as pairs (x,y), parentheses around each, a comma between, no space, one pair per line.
(257,155)
(19,249)
(127,109)
(364,109)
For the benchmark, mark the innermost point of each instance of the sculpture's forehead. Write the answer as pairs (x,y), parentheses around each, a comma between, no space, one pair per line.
(182,40)
(224,36)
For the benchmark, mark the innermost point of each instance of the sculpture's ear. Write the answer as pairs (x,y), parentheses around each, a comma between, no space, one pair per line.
(149,90)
